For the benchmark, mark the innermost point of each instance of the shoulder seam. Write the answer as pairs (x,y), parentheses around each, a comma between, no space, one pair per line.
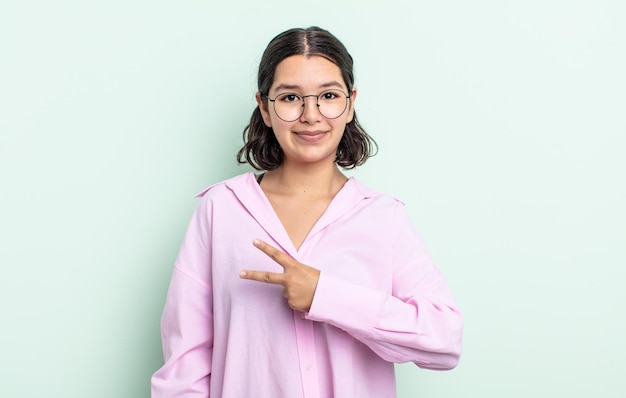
(193,278)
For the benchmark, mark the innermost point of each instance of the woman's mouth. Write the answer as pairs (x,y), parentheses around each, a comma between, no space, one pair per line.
(310,136)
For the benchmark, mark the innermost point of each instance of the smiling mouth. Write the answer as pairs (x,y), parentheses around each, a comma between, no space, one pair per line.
(309,132)
(310,135)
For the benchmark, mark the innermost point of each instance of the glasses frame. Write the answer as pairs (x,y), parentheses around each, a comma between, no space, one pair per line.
(317,102)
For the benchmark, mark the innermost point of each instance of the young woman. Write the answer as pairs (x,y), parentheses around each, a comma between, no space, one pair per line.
(298,281)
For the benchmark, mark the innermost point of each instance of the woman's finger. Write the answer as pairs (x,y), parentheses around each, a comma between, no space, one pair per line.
(280,257)
(263,276)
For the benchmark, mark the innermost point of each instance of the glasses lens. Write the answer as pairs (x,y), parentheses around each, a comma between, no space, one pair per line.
(290,106)
(332,103)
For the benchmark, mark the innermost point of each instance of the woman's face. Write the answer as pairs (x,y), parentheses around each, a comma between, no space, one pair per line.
(312,138)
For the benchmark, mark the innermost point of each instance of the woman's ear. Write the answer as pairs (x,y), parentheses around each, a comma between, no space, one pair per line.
(351,109)
(264,111)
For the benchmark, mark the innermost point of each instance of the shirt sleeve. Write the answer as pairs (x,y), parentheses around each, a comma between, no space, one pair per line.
(418,322)
(187,320)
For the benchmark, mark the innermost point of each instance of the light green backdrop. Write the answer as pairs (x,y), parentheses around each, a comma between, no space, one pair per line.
(502,125)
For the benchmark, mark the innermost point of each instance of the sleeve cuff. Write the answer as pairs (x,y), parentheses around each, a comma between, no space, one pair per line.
(345,305)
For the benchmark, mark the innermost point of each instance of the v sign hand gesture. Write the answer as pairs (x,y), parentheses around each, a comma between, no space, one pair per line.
(299,281)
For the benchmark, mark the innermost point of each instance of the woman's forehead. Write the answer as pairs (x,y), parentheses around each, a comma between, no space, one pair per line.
(300,72)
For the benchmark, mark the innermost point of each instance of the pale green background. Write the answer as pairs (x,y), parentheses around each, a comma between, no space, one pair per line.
(501,124)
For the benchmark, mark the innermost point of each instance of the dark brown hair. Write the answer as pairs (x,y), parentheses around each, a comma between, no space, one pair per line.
(261,149)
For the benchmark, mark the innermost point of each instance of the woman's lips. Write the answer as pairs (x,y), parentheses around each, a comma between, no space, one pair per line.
(310,136)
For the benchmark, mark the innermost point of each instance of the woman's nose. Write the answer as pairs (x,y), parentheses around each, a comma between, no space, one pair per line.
(311,112)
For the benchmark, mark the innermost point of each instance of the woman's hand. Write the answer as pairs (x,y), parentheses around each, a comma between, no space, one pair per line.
(299,281)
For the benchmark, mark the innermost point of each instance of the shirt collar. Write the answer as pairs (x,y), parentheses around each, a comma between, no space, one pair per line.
(249,194)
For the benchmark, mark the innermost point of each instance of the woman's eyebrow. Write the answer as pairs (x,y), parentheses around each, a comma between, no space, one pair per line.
(332,84)
(281,87)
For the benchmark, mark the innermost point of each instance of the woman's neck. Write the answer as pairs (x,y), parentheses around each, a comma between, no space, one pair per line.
(305,180)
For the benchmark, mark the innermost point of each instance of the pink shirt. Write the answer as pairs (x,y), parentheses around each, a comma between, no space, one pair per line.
(379,300)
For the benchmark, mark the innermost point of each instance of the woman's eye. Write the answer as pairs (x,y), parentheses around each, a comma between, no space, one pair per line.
(329,95)
(289,97)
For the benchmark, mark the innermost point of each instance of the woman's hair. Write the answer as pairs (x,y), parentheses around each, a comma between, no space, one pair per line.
(261,149)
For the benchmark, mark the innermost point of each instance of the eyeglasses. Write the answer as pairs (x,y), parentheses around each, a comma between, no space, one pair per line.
(290,106)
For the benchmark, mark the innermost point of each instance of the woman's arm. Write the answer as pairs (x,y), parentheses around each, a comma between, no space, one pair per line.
(187,321)
(418,322)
